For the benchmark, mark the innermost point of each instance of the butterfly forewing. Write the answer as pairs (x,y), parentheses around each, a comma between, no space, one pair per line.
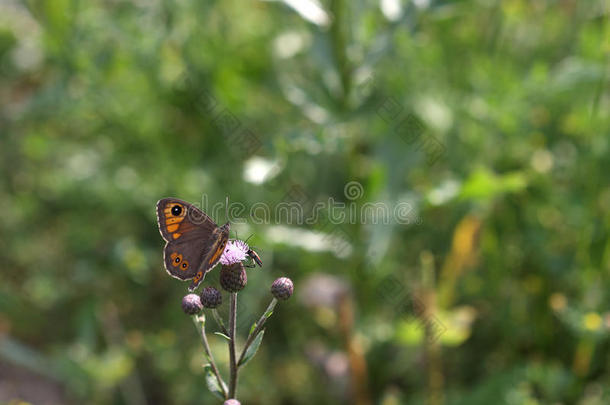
(176,218)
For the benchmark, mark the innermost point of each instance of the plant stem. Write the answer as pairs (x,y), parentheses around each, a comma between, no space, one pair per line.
(339,41)
(232,363)
(259,326)
(208,353)
(219,321)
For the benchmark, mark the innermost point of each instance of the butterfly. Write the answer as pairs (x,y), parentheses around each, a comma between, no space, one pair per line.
(194,242)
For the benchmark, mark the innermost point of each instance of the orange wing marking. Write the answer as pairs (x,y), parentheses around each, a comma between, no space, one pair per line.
(173,228)
(176,259)
(172,222)
(218,252)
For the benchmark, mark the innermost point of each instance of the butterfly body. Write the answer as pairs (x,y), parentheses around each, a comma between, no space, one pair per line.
(194,242)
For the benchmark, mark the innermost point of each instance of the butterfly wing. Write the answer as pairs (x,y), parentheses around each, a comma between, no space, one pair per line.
(211,253)
(178,219)
(194,242)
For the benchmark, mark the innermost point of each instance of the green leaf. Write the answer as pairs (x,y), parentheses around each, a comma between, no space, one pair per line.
(268,313)
(252,349)
(212,382)
(252,328)
(483,184)
(222,335)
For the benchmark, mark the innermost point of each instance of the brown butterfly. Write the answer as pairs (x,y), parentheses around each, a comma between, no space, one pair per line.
(194,242)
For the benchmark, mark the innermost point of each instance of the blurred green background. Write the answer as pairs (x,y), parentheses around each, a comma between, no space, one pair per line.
(495,291)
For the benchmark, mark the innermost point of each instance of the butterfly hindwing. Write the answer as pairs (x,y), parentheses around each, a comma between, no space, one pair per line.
(212,252)
(182,260)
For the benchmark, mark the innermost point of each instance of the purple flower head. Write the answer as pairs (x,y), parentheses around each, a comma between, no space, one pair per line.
(235,252)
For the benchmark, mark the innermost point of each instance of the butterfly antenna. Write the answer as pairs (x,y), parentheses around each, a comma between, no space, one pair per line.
(249,238)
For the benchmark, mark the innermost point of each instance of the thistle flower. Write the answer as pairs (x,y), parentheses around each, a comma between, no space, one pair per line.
(191,304)
(232,402)
(210,297)
(235,252)
(233,277)
(282,288)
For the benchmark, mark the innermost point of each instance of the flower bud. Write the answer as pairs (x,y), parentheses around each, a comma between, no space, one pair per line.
(282,288)
(233,277)
(191,304)
(210,297)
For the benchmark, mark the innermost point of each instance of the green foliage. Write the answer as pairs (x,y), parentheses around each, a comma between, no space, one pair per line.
(108,106)
(212,382)
(251,351)
(222,335)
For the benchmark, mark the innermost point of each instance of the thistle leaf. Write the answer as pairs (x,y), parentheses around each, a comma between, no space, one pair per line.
(252,349)
(252,328)
(212,382)
(222,335)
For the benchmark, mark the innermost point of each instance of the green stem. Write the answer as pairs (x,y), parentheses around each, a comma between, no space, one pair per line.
(259,326)
(208,353)
(339,41)
(232,363)
(219,321)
